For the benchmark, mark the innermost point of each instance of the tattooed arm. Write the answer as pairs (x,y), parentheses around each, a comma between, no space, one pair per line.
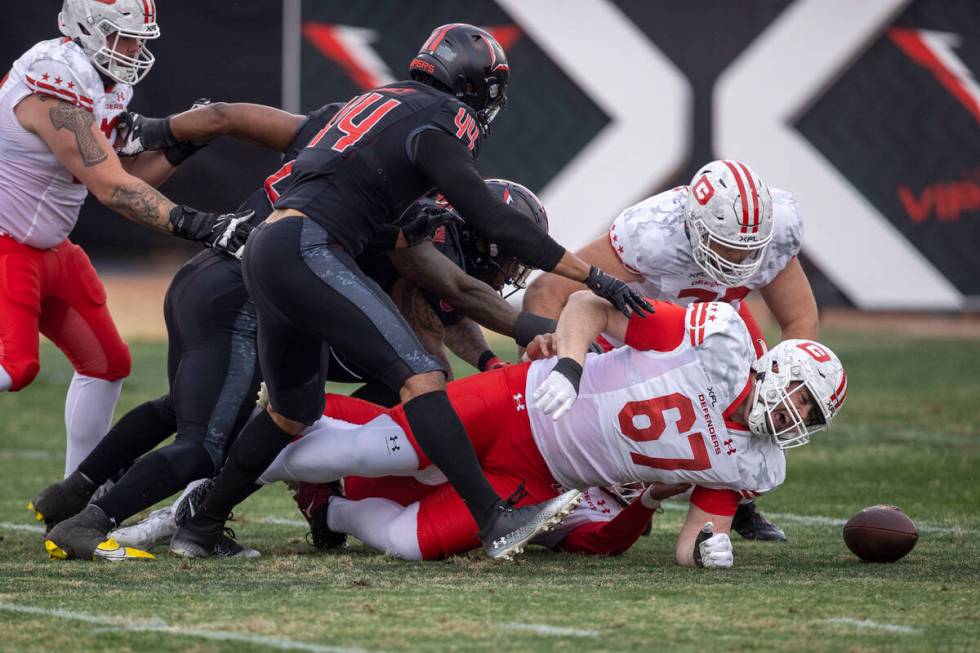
(83,149)
(422,319)
(466,340)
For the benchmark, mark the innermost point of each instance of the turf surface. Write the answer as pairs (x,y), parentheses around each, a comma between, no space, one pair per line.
(909,436)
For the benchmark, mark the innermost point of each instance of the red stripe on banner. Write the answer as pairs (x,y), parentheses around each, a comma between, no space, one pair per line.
(324,38)
(910,41)
(755,197)
(80,100)
(741,192)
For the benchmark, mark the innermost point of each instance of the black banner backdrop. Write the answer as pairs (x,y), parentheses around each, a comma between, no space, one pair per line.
(901,123)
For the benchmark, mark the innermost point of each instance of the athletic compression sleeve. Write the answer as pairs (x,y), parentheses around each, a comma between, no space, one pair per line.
(450,167)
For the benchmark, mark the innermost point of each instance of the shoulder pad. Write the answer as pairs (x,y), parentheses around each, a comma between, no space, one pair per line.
(786,241)
(640,234)
(458,119)
(66,74)
(724,346)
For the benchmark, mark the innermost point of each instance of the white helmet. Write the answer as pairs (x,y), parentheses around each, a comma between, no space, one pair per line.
(91,22)
(729,205)
(815,368)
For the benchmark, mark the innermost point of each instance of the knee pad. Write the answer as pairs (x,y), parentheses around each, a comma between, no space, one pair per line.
(189,460)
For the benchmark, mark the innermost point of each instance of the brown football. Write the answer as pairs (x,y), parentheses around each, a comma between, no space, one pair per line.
(880,534)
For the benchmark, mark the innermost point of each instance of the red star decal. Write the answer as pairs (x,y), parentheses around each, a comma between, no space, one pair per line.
(71,84)
(711,318)
(615,239)
(57,80)
(620,249)
(45,76)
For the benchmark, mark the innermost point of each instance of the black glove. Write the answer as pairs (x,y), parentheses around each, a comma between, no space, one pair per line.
(141,133)
(226,232)
(617,292)
(425,220)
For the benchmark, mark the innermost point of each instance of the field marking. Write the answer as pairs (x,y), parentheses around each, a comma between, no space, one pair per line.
(820,520)
(158,626)
(30,454)
(545,629)
(31,528)
(279,521)
(866,623)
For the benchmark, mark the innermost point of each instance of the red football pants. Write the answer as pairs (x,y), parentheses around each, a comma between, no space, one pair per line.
(55,292)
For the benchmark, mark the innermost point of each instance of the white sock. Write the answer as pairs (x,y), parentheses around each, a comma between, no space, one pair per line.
(5,380)
(381,524)
(88,414)
(332,449)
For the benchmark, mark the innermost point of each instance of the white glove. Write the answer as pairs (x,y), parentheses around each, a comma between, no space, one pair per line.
(715,550)
(555,396)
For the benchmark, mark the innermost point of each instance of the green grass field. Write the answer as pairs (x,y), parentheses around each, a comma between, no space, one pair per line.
(908,436)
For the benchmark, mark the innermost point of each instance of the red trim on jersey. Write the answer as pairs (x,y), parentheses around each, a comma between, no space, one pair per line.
(741,192)
(755,197)
(46,89)
(699,312)
(735,404)
(716,501)
(617,249)
(662,330)
(611,537)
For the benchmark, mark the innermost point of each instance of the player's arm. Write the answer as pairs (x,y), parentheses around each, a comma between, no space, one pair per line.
(428,268)
(716,551)
(547,294)
(423,320)
(466,340)
(791,301)
(151,167)
(84,151)
(449,165)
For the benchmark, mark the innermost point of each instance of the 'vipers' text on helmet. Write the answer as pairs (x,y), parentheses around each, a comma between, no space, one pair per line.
(729,221)
(469,63)
(99,26)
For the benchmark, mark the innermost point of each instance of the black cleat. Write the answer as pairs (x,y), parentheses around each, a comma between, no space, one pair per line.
(212,540)
(753,525)
(62,500)
(190,504)
(313,500)
(511,528)
(85,537)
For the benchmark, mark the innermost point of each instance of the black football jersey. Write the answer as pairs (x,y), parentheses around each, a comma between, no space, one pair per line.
(358,173)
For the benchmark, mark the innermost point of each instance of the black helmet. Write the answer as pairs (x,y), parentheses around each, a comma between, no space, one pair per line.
(470,64)
(483,258)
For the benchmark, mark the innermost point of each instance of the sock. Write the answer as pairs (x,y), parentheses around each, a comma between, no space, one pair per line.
(5,380)
(256,446)
(155,477)
(88,413)
(136,432)
(380,523)
(441,435)
(334,449)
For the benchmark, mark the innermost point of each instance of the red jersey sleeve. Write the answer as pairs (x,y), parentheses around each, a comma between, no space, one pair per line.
(662,331)
(612,537)
(716,502)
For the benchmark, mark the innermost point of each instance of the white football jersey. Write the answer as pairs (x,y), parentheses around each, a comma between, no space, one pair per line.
(597,505)
(651,241)
(655,410)
(39,198)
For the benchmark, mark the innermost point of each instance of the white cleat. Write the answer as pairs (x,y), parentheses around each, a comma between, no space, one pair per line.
(155,529)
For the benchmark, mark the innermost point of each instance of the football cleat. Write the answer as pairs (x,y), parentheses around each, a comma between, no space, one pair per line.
(209,541)
(511,528)
(313,500)
(62,500)
(190,502)
(753,525)
(156,529)
(84,537)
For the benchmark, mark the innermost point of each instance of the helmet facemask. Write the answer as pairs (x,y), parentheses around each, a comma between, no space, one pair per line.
(118,66)
(716,266)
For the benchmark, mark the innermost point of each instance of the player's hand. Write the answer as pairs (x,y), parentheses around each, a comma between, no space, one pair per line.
(558,392)
(543,346)
(617,293)
(226,232)
(423,223)
(140,133)
(713,551)
(660,491)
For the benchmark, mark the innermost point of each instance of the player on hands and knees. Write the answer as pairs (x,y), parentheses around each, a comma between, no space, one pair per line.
(685,401)
(385,149)
(717,239)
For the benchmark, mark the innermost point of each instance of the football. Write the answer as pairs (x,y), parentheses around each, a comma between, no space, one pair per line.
(880,534)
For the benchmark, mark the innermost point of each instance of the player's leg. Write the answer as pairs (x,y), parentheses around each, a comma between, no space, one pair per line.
(382,524)
(21,280)
(75,317)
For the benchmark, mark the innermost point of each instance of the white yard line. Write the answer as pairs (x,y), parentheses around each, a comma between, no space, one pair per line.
(31,528)
(279,521)
(157,626)
(820,520)
(865,623)
(545,629)
(30,454)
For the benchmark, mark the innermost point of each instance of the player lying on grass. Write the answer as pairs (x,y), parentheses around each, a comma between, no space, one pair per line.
(717,239)
(685,401)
